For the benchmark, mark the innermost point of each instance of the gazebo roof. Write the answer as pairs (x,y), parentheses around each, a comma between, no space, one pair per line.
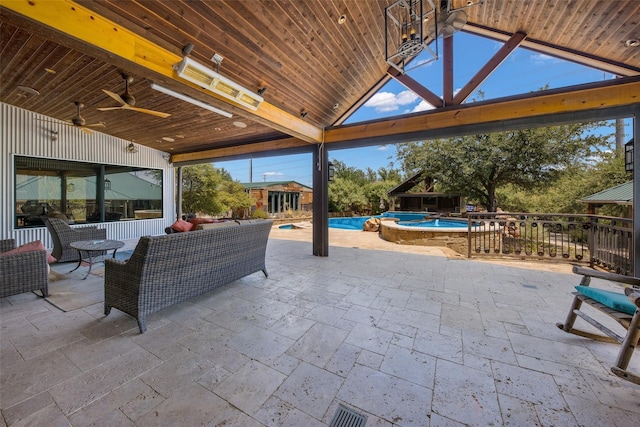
(620,195)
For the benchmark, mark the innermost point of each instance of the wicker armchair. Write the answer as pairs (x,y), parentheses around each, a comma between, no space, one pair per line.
(22,272)
(62,235)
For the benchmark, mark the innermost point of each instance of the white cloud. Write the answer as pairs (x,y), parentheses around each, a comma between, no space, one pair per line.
(383,147)
(386,101)
(541,58)
(270,174)
(422,106)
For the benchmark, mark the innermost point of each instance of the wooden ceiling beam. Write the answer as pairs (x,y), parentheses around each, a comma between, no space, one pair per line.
(257,149)
(610,95)
(607,94)
(416,87)
(78,27)
(447,70)
(488,68)
(599,63)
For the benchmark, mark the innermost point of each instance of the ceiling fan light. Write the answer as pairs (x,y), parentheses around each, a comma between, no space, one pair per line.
(210,80)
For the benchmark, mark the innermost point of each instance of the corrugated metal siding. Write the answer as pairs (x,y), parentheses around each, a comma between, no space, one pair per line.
(24,133)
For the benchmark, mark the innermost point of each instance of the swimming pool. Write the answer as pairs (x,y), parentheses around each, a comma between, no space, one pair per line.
(357,222)
(407,219)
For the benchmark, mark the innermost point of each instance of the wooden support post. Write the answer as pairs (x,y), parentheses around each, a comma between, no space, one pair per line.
(320,202)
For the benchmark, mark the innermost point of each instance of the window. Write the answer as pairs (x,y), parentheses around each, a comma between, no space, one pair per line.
(84,192)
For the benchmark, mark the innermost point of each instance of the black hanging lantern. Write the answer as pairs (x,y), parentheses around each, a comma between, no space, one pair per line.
(331,170)
(410,25)
(628,156)
(107,184)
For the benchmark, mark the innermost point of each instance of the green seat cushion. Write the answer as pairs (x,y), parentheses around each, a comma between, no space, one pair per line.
(613,300)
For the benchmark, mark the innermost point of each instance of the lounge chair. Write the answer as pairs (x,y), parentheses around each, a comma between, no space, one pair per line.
(624,308)
(62,235)
(22,272)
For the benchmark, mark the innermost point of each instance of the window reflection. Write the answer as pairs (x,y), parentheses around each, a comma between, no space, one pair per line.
(80,192)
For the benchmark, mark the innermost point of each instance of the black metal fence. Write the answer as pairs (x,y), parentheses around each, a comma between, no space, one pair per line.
(597,240)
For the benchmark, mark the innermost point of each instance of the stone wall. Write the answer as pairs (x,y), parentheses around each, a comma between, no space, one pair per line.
(454,240)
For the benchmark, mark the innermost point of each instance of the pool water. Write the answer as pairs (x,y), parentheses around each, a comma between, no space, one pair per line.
(286,227)
(405,218)
(435,223)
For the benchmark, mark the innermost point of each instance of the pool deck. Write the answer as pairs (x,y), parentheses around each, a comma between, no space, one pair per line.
(406,335)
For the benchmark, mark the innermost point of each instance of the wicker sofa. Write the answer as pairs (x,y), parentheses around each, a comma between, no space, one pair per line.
(169,269)
(62,235)
(23,272)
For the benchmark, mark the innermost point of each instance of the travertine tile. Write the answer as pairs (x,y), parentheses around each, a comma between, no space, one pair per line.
(83,389)
(310,389)
(393,399)
(410,365)
(465,395)
(405,339)
(318,345)
(526,385)
(260,344)
(249,387)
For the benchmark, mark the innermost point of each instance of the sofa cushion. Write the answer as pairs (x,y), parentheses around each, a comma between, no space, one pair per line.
(216,225)
(614,300)
(36,245)
(182,225)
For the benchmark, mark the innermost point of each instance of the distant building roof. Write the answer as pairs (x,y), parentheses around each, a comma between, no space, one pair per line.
(407,184)
(620,195)
(266,184)
(124,186)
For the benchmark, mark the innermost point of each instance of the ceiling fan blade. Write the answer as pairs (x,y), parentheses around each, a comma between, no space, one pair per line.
(96,125)
(115,96)
(110,108)
(153,113)
(85,130)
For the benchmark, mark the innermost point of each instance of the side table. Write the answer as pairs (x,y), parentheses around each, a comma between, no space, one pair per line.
(91,248)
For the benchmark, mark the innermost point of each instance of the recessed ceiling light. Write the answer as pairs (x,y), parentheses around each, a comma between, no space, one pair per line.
(342,19)
(168,139)
(240,125)
(632,43)
(217,129)
(50,71)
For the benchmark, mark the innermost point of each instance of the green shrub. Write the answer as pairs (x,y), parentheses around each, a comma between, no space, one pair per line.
(259,214)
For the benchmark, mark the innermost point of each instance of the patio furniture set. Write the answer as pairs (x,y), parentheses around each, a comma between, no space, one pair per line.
(169,269)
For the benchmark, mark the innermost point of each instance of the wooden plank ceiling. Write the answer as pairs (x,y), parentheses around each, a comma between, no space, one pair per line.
(315,69)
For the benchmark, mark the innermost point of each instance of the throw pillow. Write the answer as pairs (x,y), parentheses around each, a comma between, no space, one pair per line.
(182,225)
(28,247)
(198,221)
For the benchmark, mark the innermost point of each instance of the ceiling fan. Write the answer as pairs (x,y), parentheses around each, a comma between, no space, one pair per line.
(452,20)
(79,121)
(127,101)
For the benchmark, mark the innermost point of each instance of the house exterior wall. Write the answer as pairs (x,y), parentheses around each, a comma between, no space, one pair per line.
(261,199)
(24,133)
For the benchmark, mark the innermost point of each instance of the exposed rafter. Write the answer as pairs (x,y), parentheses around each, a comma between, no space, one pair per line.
(81,25)
(609,94)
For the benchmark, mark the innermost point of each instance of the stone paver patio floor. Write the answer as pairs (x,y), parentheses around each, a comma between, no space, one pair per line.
(406,336)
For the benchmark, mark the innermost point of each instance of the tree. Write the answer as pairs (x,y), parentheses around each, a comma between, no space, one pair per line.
(575,183)
(477,166)
(199,190)
(232,196)
(345,195)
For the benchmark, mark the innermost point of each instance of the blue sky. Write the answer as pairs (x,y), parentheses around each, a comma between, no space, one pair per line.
(523,71)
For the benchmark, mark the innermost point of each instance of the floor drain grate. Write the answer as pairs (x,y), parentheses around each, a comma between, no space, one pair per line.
(345,417)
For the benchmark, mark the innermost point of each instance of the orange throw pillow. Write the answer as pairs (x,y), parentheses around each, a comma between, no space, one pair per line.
(182,225)
(198,221)
(28,247)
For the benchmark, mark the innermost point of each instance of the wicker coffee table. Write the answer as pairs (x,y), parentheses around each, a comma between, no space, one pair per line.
(95,251)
